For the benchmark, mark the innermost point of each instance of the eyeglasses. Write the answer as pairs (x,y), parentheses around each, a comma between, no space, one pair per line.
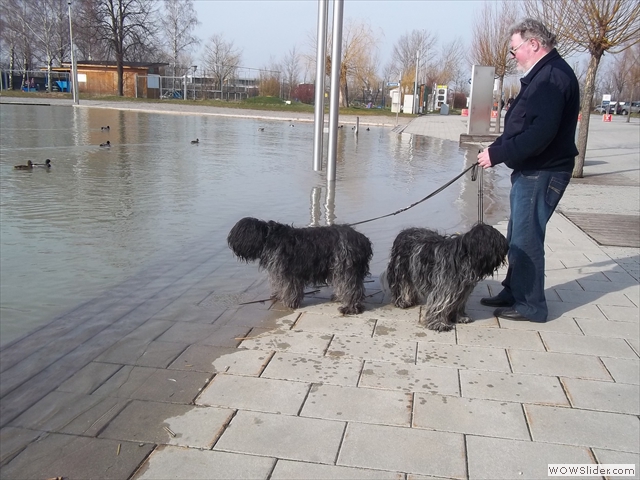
(514,50)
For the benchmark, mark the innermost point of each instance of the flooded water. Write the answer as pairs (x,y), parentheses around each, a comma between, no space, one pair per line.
(100,215)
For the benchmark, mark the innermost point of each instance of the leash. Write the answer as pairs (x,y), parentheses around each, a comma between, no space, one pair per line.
(474,175)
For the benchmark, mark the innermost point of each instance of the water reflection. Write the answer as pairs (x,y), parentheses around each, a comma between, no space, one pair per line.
(99,216)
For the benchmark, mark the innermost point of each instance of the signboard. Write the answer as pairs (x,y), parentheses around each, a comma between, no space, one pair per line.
(392,84)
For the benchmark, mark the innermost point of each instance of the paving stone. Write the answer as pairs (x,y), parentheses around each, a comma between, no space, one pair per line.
(600,328)
(291,341)
(204,358)
(381,349)
(401,449)
(623,370)
(179,462)
(185,312)
(94,419)
(89,378)
(498,338)
(282,436)
(512,387)
(559,325)
(480,316)
(132,352)
(313,322)
(470,416)
(250,393)
(460,356)
(76,458)
(142,383)
(620,458)
(288,470)
(497,458)
(403,330)
(558,364)
(56,410)
(587,345)
(607,287)
(572,310)
(612,431)
(410,378)
(603,396)
(187,333)
(226,336)
(13,440)
(358,405)
(314,369)
(635,344)
(595,298)
(621,314)
(148,422)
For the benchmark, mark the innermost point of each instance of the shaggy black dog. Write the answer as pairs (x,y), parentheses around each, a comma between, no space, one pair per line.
(294,257)
(441,271)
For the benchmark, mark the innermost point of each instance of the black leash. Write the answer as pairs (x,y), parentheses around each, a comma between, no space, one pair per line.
(474,175)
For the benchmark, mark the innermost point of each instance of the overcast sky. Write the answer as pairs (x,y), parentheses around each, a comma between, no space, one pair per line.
(270,28)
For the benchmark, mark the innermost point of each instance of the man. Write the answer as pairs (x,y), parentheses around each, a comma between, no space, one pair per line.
(538,145)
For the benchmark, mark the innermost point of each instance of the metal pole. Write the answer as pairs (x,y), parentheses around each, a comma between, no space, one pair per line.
(336,58)
(318,109)
(74,67)
(415,86)
(399,99)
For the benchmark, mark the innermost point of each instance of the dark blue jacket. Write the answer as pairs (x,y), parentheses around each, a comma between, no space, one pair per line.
(540,125)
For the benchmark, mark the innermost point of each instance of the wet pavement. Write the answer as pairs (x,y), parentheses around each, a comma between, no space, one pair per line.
(164,377)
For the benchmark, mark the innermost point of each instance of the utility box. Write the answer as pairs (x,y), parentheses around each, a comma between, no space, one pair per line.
(444,109)
(395,100)
(407,106)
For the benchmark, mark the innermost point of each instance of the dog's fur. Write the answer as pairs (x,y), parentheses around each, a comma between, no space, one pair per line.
(336,255)
(440,272)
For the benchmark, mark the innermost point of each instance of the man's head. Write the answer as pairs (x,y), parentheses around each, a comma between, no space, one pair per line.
(530,41)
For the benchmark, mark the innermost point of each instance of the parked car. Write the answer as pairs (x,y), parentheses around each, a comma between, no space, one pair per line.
(630,107)
(613,107)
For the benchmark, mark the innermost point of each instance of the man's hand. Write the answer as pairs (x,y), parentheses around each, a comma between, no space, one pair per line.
(483,159)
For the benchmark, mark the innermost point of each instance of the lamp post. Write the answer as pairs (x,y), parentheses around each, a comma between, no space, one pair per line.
(415,86)
(74,67)
(193,80)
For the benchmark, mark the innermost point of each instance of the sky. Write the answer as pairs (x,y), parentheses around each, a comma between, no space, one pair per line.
(267,29)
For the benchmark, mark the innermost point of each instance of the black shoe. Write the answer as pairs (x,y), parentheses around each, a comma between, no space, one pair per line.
(495,302)
(510,314)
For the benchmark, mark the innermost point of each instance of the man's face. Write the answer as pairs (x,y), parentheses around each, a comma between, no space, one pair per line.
(521,50)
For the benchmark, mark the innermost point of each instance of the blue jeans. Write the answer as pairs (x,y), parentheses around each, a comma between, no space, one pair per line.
(534,196)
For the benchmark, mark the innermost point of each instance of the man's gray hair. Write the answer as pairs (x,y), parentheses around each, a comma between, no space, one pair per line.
(532,28)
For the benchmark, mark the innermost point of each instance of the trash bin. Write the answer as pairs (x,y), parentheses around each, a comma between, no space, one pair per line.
(444,109)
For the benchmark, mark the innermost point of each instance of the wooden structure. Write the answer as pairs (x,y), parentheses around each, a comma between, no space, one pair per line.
(101,77)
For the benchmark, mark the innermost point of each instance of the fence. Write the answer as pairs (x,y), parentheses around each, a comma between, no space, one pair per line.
(194,88)
(34,80)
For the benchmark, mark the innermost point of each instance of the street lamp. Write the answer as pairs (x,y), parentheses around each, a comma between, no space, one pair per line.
(193,80)
(74,68)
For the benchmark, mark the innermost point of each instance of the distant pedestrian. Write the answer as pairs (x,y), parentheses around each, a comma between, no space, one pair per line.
(538,145)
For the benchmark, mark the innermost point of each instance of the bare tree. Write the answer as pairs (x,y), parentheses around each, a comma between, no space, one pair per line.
(129,27)
(17,33)
(221,58)
(178,21)
(88,40)
(490,43)
(596,27)
(417,43)
(291,70)
(359,45)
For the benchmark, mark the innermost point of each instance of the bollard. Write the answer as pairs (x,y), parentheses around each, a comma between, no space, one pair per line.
(606,117)
(465,112)
(494,114)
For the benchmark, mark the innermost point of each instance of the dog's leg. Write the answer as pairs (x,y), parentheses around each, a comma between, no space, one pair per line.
(404,294)
(461,315)
(351,294)
(292,293)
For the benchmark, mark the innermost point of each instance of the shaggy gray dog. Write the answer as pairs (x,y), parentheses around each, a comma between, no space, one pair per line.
(440,272)
(336,255)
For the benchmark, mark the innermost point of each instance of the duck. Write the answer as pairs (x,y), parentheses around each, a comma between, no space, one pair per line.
(195,142)
(291,125)
(46,164)
(28,166)
(107,144)
(261,129)
(105,128)
(340,126)
(368,129)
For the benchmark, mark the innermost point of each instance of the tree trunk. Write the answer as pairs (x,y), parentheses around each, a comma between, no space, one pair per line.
(585,112)
(12,64)
(49,63)
(120,69)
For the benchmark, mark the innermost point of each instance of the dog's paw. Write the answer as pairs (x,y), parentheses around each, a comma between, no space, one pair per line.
(402,303)
(351,309)
(464,319)
(439,326)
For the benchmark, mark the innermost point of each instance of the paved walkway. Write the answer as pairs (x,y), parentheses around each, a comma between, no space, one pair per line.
(165,378)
